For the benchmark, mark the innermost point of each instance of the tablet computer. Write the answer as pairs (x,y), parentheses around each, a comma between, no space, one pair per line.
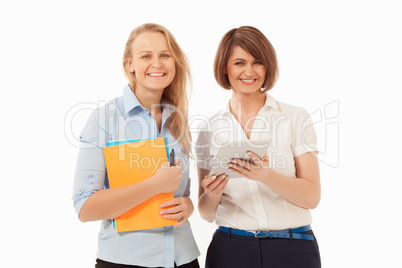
(236,149)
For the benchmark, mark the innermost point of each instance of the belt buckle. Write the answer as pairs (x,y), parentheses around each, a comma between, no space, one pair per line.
(259,234)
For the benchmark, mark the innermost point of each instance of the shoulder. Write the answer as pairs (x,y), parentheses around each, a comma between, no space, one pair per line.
(105,109)
(99,122)
(287,108)
(292,112)
(205,123)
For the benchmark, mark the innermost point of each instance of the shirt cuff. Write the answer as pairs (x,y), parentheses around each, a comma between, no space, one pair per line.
(78,205)
(203,163)
(302,149)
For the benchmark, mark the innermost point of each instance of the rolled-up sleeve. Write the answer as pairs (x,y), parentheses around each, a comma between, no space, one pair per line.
(90,170)
(304,135)
(202,153)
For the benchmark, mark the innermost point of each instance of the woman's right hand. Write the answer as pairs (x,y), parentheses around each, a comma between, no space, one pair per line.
(167,178)
(213,185)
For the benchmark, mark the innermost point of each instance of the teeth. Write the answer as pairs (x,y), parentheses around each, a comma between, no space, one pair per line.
(156,74)
(248,81)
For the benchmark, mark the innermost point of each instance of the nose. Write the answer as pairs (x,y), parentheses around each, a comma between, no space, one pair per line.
(157,62)
(248,70)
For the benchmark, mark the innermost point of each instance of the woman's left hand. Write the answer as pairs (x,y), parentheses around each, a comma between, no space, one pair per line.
(256,170)
(183,208)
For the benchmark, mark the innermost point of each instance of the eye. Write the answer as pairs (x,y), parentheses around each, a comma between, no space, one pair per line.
(258,62)
(239,63)
(146,56)
(165,55)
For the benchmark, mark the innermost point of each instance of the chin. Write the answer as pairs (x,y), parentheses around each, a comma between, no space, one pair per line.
(249,91)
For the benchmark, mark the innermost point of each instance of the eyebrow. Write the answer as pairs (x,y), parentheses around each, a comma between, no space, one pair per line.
(148,51)
(241,59)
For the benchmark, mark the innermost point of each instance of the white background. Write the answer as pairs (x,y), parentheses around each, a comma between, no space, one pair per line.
(342,55)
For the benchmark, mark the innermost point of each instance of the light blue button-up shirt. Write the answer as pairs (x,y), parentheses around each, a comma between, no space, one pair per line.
(125,118)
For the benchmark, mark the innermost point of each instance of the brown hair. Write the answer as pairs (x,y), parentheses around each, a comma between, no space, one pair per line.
(254,42)
(175,94)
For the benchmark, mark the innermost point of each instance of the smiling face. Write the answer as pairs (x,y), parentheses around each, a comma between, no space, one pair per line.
(152,62)
(246,74)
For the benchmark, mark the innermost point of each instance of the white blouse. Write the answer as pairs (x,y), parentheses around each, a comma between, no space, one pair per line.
(248,204)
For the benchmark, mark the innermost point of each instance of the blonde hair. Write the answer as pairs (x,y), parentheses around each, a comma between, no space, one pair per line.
(175,94)
(254,42)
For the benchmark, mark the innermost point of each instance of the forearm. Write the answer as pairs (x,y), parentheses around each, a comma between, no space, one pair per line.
(207,206)
(300,191)
(189,206)
(111,203)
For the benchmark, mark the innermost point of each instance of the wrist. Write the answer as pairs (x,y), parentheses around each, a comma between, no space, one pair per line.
(266,176)
(190,204)
(154,185)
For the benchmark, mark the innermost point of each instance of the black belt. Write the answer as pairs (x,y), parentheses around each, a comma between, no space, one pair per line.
(288,233)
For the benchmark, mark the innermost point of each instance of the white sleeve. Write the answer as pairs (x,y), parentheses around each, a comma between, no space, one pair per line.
(202,149)
(304,136)
(90,172)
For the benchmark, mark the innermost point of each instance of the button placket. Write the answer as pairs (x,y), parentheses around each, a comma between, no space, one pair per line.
(258,205)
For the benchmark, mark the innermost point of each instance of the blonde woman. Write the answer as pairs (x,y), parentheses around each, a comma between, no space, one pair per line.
(154,104)
(263,216)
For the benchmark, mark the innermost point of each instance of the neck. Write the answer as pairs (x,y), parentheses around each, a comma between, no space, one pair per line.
(246,104)
(150,100)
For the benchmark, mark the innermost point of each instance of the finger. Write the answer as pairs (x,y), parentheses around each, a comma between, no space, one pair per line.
(236,166)
(181,222)
(240,170)
(177,165)
(208,180)
(212,183)
(172,202)
(177,162)
(265,161)
(256,159)
(174,216)
(173,210)
(217,186)
(211,179)
(221,185)
(241,162)
(165,165)
(180,167)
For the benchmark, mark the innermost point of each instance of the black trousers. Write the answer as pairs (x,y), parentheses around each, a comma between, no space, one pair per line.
(234,251)
(103,264)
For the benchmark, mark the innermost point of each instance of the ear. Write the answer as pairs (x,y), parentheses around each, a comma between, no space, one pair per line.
(130,65)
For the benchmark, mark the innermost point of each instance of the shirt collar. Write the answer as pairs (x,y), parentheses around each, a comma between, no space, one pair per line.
(130,100)
(168,110)
(269,102)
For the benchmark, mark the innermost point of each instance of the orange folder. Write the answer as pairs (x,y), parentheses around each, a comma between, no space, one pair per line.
(131,163)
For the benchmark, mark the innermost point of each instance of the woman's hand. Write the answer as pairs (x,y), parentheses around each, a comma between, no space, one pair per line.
(210,190)
(167,178)
(255,170)
(182,208)
(214,186)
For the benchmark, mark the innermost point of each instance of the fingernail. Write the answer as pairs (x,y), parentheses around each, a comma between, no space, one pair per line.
(227,177)
(214,177)
(249,153)
(230,165)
